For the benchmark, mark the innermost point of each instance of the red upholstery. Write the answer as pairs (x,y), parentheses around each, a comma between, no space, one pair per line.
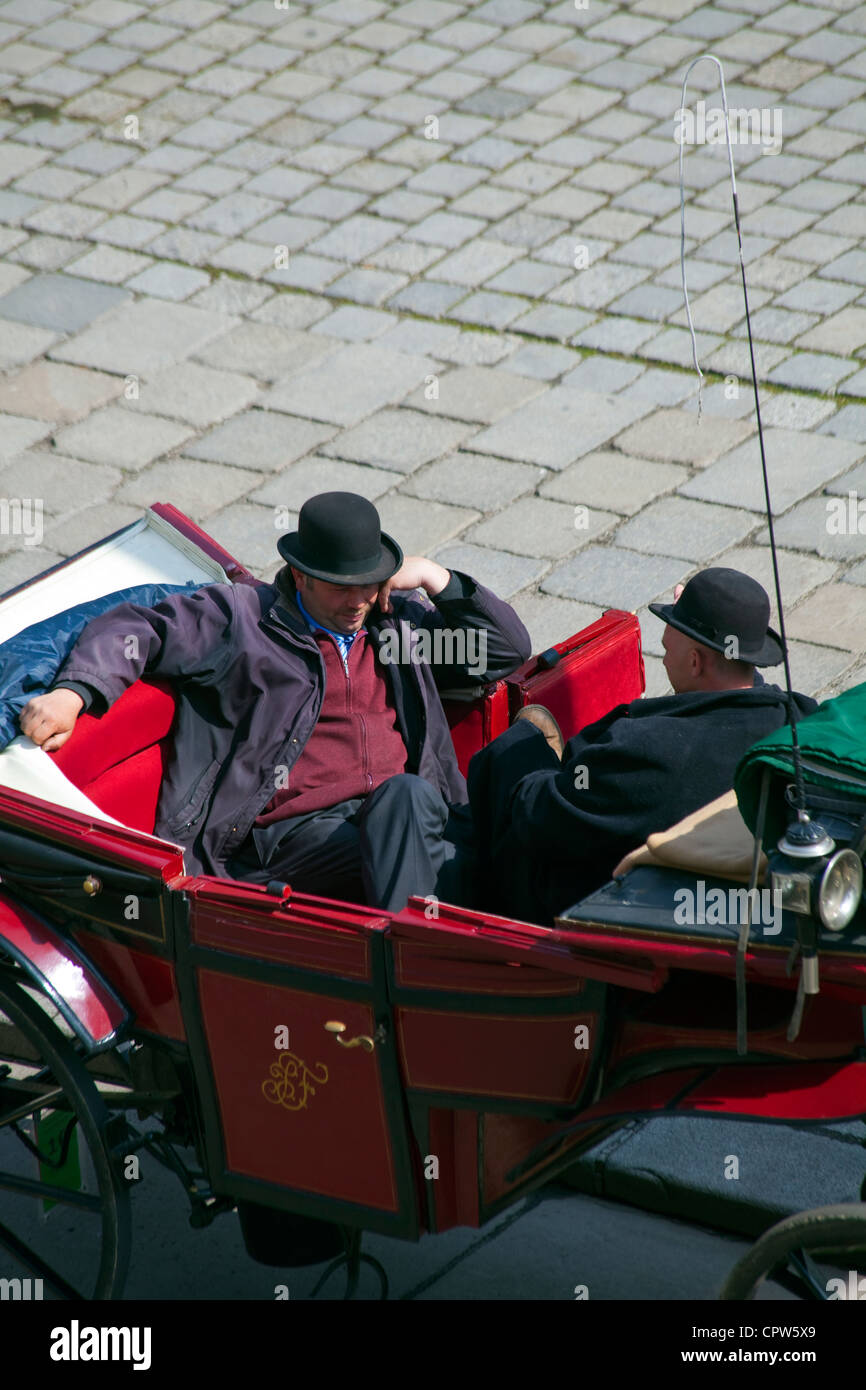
(118,758)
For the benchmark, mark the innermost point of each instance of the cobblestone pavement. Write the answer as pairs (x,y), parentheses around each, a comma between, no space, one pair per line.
(429,252)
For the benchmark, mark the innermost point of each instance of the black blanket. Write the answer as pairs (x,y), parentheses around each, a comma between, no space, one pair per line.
(550,833)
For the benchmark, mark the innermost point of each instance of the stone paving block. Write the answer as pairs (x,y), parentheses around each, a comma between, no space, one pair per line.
(732,359)
(613,482)
(843,333)
(791,411)
(849,423)
(833,616)
(475,394)
(818,296)
(612,577)
(796,466)
(851,267)
(353,324)
(306,272)
(350,384)
(491,310)
(268,440)
(537,526)
(414,335)
(60,301)
(47,252)
(675,436)
(17,433)
(549,620)
(602,374)
(479,349)
(25,563)
(59,394)
(60,480)
(83,528)
(199,489)
(543,361)
(226,295)
(616,335)
(197,395)
(813,371)
(807,527)
(314,474)
(473,480)
(109,265)
(530,278)
(365,286)
(401,440)
(598,285)
(427,298)
(266,351)
(21,342)
(419,527)
(121,438)
(143,337)
(661,388)
(356,238)
(167,281)
(553,321)
(476,262)
(445,229)
(692,530)
(559,427)
(248,532)
(499,570)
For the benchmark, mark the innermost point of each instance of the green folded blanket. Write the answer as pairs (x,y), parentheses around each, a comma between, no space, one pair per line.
(833,747)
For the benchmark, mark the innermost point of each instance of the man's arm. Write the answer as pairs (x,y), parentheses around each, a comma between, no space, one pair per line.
(603,796)
(481,637)
(182,635)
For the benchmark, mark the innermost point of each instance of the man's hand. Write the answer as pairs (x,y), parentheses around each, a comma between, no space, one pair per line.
(414,573)
(49,719)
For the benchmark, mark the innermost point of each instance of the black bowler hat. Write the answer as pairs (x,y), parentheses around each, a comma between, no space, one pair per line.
(719,604)
(339,539)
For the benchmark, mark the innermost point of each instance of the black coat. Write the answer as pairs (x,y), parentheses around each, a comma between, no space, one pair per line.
(551,833)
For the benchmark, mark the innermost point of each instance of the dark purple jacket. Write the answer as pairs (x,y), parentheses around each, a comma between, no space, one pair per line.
(249,681)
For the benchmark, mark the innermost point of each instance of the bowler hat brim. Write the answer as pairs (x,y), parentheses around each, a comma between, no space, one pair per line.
(769,653)
(389,561)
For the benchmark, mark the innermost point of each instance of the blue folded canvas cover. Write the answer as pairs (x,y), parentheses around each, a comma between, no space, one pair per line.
(30,660)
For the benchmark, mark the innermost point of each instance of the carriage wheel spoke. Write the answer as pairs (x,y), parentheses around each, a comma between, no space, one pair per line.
(66,1196)
(32,1262)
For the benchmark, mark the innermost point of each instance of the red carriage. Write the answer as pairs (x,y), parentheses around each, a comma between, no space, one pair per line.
(350,1069)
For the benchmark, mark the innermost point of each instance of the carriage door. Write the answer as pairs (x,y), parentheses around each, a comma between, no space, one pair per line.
(285,1003)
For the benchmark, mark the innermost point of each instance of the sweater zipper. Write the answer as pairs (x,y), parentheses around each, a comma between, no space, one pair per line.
(368,780)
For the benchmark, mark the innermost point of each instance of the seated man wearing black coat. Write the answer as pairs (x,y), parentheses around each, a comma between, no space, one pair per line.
(553,822)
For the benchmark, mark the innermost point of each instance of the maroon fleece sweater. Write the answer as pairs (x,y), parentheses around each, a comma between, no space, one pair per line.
(356,743)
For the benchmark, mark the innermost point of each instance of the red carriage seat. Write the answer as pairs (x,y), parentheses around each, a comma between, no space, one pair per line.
(118,758)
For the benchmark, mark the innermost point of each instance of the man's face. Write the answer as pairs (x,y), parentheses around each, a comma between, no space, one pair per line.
(341,607)
(679,660)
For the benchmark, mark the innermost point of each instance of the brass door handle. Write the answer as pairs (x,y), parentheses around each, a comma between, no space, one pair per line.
(362,1040)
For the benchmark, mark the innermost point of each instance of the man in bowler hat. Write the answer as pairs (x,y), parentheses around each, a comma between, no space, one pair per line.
(553,819)
(305,749)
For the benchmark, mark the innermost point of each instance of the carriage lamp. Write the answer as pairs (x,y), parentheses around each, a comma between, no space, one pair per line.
(830,889)
(840,890)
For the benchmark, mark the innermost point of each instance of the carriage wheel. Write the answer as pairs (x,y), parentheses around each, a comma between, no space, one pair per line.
(840,1227)
(64,1206)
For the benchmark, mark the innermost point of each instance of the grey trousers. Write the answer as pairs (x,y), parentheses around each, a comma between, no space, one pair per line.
(402,839)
